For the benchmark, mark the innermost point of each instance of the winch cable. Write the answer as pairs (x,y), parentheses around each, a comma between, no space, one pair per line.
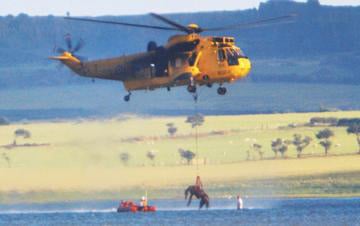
(197,137)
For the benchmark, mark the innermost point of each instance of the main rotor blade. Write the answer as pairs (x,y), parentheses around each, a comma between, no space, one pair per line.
(60,50)
(121,23)
(78,46)
(259,23)
(172,23)
(68,42)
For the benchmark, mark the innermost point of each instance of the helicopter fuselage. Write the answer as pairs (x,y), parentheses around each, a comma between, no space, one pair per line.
(185,60)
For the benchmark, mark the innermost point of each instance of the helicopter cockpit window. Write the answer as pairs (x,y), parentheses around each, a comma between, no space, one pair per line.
(221,55)
(240,53)
(232,57)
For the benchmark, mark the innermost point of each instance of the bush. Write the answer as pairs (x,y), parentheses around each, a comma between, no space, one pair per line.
(151,155)
(124,157)
(187,155)
(22,133)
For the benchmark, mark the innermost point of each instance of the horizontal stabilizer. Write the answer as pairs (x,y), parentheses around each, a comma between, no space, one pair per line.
(66,57)
(59,58)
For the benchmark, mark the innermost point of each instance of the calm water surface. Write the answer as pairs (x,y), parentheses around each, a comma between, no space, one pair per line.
(344,211)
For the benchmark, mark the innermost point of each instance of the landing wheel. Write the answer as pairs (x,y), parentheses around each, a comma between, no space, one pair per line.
(209,85)
(127,97)
(191,89)
(168,88)
(221,91)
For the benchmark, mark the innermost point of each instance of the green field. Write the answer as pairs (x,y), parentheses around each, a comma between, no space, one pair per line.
(83,159)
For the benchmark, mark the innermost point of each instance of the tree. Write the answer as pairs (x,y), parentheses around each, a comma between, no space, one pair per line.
(300,143)
(283,149)
(258,148)
(275,146)
(151,155)
(171,129)
(124,157)
(280,146)
(324,136)
(187,155)
(195,120)
(355,129)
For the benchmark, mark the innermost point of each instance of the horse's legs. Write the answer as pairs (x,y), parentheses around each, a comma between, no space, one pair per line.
(190,197)
(186,192)
(202,202)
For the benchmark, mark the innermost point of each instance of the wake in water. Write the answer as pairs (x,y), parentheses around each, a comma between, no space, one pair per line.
(110,206)
(113,210)
(12,211)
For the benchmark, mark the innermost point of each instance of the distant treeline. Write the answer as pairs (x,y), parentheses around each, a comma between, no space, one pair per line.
(322,45)
(331,121)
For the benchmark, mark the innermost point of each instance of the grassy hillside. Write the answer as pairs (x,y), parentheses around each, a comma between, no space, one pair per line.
(83,159)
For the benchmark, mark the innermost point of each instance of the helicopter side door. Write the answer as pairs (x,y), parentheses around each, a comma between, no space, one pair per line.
(221,62)
(159,65)
(179,66)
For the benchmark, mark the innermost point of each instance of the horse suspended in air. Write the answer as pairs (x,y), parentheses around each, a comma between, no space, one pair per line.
(199,193)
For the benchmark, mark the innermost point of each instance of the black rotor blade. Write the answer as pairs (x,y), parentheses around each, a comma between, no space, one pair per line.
(172,23)
(121,23)
(79,45)
(60,50)
(259,23)
(68,42)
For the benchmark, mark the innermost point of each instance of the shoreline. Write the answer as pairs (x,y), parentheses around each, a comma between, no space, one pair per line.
(255,197)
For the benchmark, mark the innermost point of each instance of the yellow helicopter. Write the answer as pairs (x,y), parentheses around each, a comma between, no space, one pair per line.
(186,60)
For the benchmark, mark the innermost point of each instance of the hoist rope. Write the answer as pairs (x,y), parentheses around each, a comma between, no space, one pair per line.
(196,96)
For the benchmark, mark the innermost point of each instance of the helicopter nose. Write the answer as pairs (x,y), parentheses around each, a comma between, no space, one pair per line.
(245,66)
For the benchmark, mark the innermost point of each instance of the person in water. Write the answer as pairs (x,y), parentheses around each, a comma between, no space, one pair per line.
(239,202)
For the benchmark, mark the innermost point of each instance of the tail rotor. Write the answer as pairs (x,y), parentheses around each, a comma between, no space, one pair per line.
(69,53)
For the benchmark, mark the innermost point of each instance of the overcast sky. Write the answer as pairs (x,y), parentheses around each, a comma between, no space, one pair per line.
(121,7)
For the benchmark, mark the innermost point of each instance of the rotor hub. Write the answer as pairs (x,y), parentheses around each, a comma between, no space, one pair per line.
(194,28)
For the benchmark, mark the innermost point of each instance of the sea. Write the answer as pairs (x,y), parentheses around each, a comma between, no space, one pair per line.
(106,101)
(257,211)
